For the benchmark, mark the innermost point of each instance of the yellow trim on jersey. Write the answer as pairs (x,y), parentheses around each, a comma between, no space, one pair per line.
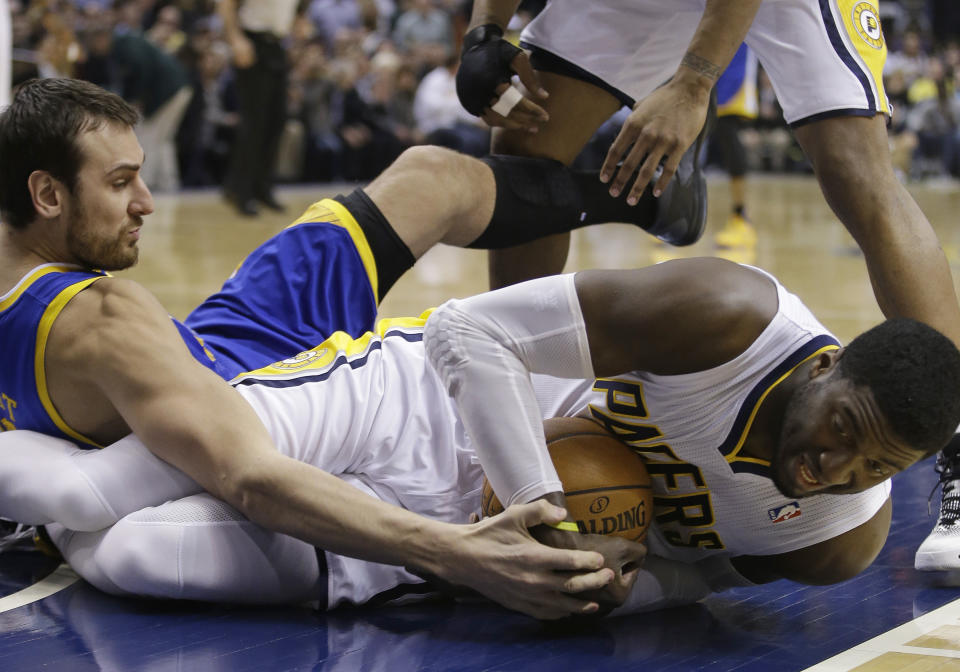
(339,343)
(43,333)
(329,210)
(734,454)
(861,19)
(32,277)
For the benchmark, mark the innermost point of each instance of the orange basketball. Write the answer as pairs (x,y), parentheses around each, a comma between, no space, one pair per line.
(606,484)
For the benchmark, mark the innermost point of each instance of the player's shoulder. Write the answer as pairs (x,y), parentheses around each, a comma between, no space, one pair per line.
(102,316)
(716,291)
(715,276)
(109,297)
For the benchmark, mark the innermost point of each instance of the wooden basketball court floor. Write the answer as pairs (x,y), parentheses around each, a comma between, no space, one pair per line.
(889,618)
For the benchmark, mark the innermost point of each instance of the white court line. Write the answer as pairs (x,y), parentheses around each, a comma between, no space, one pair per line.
(895,640)
(56,581)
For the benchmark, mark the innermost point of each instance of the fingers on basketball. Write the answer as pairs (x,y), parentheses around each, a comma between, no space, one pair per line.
(606,484)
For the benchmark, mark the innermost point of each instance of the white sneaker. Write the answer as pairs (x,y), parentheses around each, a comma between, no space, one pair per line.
(940,551)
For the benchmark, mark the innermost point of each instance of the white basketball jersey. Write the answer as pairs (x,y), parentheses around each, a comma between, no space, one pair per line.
(373,411)
(708,498)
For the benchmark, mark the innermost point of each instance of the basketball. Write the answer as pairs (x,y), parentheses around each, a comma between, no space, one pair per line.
(606,484)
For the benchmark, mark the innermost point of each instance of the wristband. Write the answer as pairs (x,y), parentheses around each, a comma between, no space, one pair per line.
(567,525)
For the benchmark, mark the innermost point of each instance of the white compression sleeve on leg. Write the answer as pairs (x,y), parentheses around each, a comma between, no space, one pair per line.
(44,479)
(195,548)
(484,349)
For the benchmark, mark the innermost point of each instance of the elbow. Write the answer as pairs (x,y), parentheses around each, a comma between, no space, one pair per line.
(439,342)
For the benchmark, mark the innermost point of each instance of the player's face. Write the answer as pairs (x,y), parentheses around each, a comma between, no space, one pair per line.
(834,440)
(106,209)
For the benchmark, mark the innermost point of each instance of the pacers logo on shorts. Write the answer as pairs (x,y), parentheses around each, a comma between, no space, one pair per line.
(866,20)
(301,360)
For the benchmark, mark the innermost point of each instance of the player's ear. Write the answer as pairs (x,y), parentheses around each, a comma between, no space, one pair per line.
(45,193)
(825,362)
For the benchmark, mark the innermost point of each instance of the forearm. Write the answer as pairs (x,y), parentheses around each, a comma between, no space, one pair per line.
(498,12)
(722,29)
(485,348)
(227,10)
(303,501)
(663,583)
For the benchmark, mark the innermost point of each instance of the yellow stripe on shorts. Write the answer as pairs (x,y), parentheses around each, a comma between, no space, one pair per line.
(861,20)
(333,212)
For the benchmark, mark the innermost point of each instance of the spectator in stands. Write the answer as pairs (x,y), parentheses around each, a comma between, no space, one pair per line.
(934,120)
(441,118)
(157,84)
(424,32)
(909,59)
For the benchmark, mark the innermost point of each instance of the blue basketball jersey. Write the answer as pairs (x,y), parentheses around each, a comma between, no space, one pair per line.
(314,278)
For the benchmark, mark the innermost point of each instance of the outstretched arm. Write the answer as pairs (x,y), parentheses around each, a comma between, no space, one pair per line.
(116,341)
(664,124)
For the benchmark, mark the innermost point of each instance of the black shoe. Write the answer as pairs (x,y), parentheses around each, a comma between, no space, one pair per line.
(246,207)
(682,209)
(272,203)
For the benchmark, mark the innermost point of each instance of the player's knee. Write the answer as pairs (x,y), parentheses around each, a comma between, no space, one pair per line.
(439,162)
(138,559)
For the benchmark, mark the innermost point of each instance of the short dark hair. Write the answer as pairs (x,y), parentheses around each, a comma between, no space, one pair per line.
(913,372)
(39,130)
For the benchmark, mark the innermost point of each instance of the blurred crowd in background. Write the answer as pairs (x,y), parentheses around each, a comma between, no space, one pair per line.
(368,78)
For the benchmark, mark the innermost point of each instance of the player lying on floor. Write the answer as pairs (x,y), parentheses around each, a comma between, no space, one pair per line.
(88,357)
(770,446)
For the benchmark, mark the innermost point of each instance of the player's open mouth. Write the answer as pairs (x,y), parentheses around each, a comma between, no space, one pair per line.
(806,476)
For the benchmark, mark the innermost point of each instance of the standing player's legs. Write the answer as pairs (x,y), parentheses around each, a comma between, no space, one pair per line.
(834,70)
(737,231)
(576,109)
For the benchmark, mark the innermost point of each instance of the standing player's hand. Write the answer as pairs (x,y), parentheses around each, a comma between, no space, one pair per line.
(499,558)
(487,65)
(660,129)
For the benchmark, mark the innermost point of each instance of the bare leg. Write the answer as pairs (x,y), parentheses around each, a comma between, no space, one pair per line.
(576,110)
(908,270)
(432,195)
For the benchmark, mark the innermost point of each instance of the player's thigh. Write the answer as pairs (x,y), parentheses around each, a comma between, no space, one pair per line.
(196,548)
(576,109)
(822,56)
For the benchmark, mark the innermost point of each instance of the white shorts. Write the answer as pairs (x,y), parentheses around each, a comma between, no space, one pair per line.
(824,57)
(373,413)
